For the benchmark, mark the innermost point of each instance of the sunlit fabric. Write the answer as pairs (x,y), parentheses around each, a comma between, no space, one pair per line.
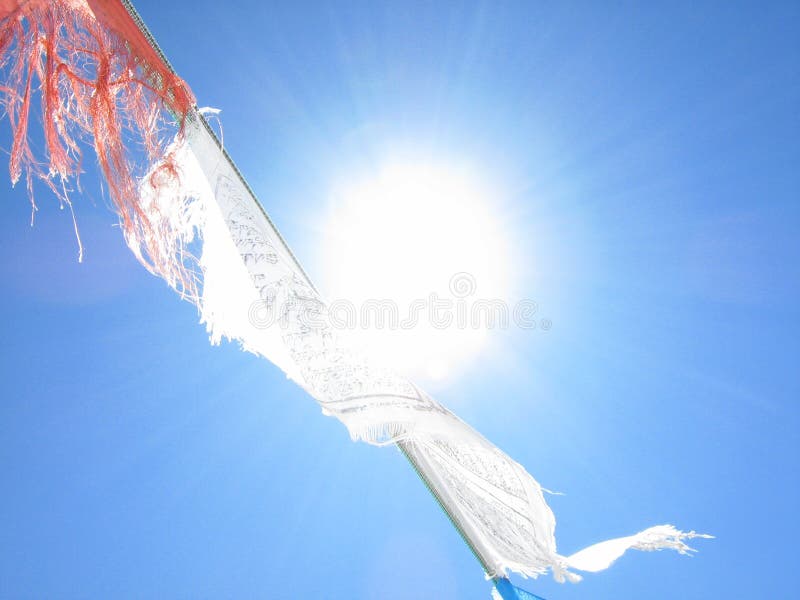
(100,83)
(255,292)
(249,287)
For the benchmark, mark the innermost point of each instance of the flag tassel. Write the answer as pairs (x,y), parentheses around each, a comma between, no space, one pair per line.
(100,84)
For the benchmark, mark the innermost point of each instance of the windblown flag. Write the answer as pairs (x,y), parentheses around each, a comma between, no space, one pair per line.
(102,80)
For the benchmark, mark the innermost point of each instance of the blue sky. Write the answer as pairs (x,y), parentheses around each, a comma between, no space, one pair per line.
(649,161)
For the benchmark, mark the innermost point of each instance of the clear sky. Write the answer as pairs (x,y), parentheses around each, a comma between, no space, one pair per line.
(649,166)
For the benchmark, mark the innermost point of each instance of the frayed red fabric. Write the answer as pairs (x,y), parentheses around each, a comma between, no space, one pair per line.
(100,83)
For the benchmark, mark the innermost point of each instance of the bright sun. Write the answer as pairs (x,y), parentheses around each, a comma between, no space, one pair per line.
(399,242)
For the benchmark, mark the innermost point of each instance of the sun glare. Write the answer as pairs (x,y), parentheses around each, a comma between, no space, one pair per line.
(407,252)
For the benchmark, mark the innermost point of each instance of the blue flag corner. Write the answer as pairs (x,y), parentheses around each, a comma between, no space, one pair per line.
(505,590)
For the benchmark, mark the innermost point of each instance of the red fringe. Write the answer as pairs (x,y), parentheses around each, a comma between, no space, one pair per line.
(100,82)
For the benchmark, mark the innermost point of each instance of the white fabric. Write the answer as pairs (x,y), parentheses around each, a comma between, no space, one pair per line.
(600,556)
(248,273)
